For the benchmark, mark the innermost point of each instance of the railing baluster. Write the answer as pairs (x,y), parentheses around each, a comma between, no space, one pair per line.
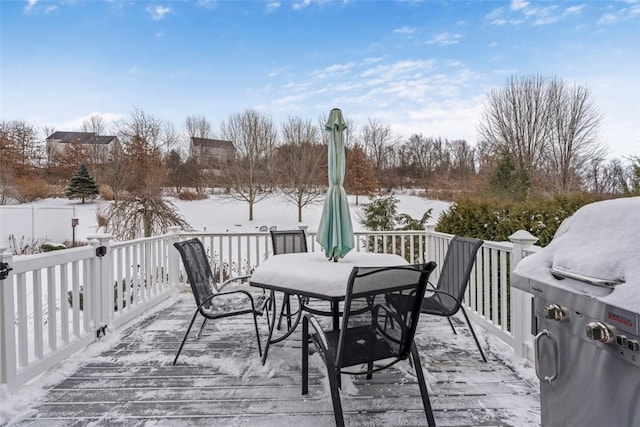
(52,321)
(64,302)
(23,336)
(75,297)
(37,314)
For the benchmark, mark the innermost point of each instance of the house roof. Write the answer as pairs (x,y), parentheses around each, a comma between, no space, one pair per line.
(65,137)
(212,143)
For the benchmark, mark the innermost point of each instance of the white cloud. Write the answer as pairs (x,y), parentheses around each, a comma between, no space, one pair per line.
(519,4)
(574,10)
(545,16)
(404,30)
(30,5)
(207,4)
(158,12)
(495,17)
(272,6)
(607,19)
(445,39)
(301,4)
(333,70)
(33,7)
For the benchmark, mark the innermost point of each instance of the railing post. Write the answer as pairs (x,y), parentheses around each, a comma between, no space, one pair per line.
(174,260)
(430,243)
(521,301)
(103,290)
(8,362)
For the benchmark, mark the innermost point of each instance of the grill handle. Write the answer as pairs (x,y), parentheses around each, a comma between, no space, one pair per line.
(554,342)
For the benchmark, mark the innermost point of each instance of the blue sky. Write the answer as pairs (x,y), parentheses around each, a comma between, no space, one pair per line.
(419,66)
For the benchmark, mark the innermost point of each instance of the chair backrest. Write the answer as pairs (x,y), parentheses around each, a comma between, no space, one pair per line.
(196,265)
(384,301)
(288,241)
(456,269)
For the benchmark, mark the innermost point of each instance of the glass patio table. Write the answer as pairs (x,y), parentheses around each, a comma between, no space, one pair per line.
(310,275)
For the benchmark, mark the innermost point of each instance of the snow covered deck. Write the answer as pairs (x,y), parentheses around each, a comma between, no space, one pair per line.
(219,381)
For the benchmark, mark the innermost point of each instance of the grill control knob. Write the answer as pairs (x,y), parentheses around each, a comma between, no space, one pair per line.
(621,340)
(555,312)
(633,345)
(598,331)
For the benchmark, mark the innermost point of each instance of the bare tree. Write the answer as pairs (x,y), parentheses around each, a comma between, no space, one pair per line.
(462,157)
(573,136)
(198,127)
(141,125)
(425,156)
(516,121)
(254,136)
(375,138)
(94,124)
(49,152)
(170,137)
(7,162)
(300,162)
(26,149)
(143,210)
(118,172)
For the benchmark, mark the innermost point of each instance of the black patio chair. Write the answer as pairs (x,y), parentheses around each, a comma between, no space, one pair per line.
(207,292)
(446,298)
(287,242)
(372,329)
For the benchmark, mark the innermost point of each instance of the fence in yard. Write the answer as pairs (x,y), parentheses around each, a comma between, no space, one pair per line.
(56,303)
(36,223)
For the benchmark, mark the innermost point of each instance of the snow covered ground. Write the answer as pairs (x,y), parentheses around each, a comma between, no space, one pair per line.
(220,213)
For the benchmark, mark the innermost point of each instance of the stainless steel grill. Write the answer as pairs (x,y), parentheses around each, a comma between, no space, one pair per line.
(587,325)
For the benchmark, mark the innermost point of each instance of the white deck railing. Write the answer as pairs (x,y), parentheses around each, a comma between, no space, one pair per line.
(55,304)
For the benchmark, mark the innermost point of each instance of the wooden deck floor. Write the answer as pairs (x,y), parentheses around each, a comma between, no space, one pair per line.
(219,381)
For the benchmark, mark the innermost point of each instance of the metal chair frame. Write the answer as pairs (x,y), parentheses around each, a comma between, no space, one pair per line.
(385,331)
(205,290)
(447,296)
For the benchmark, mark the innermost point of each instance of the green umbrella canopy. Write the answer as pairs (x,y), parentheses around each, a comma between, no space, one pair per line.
(335,232)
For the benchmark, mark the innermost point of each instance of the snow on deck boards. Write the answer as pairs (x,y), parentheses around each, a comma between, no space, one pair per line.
(219,380)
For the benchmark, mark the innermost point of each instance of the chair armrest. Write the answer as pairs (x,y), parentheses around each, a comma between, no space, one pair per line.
(221,294)
(317,328)
(438,294)
(233,279)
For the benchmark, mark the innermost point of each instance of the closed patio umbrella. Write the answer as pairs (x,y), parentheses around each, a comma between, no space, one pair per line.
(335,232)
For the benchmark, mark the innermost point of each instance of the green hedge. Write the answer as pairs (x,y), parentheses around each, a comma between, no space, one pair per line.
(496,221)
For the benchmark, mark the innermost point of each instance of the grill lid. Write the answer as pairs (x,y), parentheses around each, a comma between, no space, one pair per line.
(599,244)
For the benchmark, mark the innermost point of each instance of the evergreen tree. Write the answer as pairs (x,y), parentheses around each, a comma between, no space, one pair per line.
(507,181)
(82,185)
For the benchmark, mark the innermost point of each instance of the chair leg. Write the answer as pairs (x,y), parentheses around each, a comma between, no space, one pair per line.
(287,306)
(334,384)
(305,356)
(201,328)
(475,338)
(193,319)
(255,323)
(451,324)
(370,370)
(424,393)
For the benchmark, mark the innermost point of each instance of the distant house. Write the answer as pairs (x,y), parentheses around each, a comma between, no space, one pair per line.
(213,151)
(98,146)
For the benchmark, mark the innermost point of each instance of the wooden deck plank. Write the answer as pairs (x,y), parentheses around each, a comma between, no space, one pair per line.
(220,381)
